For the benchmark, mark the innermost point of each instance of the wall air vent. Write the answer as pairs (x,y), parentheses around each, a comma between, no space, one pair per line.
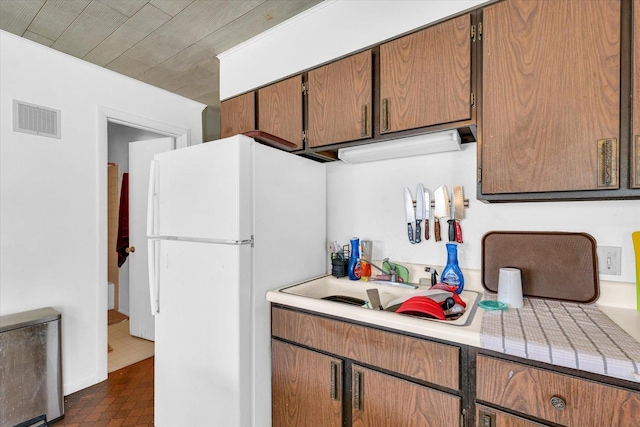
(35,119)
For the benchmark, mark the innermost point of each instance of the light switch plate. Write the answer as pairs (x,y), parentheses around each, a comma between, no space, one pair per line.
(609,260)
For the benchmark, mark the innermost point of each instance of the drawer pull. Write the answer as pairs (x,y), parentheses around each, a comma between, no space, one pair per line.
(358,391)
(558,403)
(336,381)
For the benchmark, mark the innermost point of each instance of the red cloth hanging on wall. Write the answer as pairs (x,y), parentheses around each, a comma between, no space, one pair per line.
(123,221)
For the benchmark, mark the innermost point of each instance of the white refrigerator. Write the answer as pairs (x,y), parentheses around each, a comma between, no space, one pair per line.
(227,221)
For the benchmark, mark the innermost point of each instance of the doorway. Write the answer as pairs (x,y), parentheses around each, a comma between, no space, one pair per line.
(116,130)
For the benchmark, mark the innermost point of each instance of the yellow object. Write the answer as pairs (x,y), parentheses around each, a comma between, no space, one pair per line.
(635,236)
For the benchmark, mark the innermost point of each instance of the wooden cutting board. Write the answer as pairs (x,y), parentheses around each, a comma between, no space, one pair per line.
(555,265)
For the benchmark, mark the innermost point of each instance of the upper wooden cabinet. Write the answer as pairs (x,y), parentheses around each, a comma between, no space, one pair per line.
(635,142)
(339,100)
(551,98)
(425,77)
(238,115)
(280,110)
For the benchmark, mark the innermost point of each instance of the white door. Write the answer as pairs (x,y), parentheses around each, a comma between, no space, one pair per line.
(141,322)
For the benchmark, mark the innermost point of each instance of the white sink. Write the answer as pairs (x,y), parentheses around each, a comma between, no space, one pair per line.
(330,290)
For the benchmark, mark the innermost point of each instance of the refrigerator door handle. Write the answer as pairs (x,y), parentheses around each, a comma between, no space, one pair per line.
(151,199)
(154,275)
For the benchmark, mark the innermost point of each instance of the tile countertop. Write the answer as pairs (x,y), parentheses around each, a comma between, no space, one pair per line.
(616,300)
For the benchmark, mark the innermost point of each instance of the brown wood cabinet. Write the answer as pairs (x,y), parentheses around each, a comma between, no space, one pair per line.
(394,379)
(489,417)
(238,115)
(425,77)
(551,98)
(306,387)
(339,100)
(635,139)
(557,398)
(280,110)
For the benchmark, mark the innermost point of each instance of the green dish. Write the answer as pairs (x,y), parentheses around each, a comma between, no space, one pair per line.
(492,305)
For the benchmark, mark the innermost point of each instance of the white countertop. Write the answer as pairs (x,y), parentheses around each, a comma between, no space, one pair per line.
(614,302)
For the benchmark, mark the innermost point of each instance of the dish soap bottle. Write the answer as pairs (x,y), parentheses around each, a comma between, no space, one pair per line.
(354,269)
(452,275)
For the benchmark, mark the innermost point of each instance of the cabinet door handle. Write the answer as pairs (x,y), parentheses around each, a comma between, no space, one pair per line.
(608,162)
(558,403)
(364,131)
(336,380)
(358,391)
(385,114)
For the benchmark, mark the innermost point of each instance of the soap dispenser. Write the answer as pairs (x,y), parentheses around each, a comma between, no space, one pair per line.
(354,268)
(452,275)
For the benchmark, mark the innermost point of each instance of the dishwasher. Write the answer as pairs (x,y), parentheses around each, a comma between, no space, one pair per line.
(30,368)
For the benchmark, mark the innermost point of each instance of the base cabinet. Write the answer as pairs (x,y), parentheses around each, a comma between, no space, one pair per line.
(306,387)
(326,372)
(488,417)
(384,400)
(559,399)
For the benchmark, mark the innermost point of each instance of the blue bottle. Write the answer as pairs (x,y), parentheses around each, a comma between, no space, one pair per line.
(452,275)
(354,269)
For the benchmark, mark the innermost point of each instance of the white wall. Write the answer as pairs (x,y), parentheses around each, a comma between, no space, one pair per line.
(365,200)
(53,192)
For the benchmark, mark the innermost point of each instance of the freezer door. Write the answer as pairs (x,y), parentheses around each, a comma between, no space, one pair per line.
(203,191)
(203,336)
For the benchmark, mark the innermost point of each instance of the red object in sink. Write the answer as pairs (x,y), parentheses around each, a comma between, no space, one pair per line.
(422,306)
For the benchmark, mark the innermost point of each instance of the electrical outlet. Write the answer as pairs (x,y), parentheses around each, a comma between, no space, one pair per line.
(609,261)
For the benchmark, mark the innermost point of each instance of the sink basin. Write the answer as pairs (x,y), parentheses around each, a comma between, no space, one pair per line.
(353,294)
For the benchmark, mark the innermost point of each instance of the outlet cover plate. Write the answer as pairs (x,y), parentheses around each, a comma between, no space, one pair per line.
(609,260)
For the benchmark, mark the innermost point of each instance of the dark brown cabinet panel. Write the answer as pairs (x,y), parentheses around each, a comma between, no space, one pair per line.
(635,141)
(551,96)
(488,417)
(557,398)
(425,77)
(238,115)
(381,400)
(280,110)
(306,387)
(339,100)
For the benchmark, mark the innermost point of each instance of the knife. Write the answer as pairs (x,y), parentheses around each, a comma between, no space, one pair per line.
(427,212)
(458,210)
(420,211)
(409,212)
(442,209)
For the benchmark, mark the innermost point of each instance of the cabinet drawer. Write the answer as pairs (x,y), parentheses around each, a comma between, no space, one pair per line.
(416,358)
(531,391)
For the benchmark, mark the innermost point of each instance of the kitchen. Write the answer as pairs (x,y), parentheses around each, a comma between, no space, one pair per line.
(363,200)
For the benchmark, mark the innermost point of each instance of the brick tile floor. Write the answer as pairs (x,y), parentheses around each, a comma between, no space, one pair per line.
(124,399)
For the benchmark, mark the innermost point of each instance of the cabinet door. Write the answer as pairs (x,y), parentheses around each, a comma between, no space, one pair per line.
(339,100)
(635,142)
(425,77)
(280,110)
(383,400)
(306,387)
(238,115)
(487,417)
(551,96)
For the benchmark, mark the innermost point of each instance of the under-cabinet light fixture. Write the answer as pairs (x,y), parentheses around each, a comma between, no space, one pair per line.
(437,142)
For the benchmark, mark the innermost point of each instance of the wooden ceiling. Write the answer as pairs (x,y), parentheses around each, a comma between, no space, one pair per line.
(171,44)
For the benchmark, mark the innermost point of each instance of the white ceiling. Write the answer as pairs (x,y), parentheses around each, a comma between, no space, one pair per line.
(171,44)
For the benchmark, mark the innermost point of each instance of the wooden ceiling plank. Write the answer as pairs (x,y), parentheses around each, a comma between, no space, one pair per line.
(126,7)
(139,26)
(188,58)
(56,16)
(263,17)
(191,76)
(212,65)
(37,38)
(16,15)
(171,7)
(157,75)
(94,24)
(192,24)
(128,66)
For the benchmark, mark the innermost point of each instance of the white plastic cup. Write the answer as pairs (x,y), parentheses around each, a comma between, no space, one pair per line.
(510,287)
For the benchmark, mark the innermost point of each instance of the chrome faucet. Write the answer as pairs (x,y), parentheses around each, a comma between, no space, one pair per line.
(393,274)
